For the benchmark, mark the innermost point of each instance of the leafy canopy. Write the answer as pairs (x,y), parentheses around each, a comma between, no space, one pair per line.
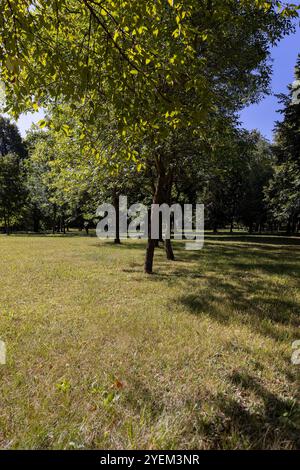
(165,62)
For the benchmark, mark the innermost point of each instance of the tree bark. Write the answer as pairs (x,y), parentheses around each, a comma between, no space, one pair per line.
(54,219)
(116,203)
(149,256)
(169,250)
(162,195)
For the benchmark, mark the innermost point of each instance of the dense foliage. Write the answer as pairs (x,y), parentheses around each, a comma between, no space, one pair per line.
(143,98)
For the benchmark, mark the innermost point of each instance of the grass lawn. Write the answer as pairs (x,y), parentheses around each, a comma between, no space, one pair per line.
(197,356)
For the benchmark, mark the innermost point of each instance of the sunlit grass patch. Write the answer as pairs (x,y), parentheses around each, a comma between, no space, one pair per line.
(102,356)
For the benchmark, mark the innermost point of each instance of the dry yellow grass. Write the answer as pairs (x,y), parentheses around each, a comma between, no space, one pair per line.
(197,356)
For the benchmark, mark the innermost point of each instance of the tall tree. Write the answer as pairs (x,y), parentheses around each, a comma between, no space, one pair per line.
(10,139)
(156,66)
(12,193)
(283,193)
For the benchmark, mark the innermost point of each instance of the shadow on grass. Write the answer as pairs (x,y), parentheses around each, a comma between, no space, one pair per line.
(260,239)
(240,285)
(122,246)
(276,423)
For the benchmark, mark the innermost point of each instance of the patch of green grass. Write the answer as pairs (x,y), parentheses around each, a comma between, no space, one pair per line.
(102,356)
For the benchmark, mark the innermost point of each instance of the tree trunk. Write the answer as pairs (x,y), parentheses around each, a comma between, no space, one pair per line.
(162,195)
(63,223)
(169,250)
(116,203)
(289,228)
(54,219)
(168,242)
(36,220)
(7,225)
(149,256)
(36,225)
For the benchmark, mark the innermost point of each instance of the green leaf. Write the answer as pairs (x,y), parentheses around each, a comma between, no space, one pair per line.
(42,123)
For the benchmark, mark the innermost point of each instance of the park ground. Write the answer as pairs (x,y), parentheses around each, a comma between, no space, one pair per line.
(196,356)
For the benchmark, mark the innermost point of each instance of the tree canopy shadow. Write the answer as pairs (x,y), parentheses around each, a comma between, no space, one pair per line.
(240,286)
(276,420)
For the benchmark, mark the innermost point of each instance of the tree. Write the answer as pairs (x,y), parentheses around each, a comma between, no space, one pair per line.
(37,168)
(283,196)
(10,139)
(252,208)
(50,196)
(12,193)
(156,66)
(232,181)
(283,193)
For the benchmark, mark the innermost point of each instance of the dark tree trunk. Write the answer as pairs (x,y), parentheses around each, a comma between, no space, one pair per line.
(116,203)
(54,220)
(5,224)
(289,228)
(169,250)
(162,195)
(36,225)
(151,244)
(8,227)
(63,224)
(36,220)
(149,256)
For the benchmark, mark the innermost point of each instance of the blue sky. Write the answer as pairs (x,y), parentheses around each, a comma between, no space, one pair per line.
(261,116)
(26,120)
